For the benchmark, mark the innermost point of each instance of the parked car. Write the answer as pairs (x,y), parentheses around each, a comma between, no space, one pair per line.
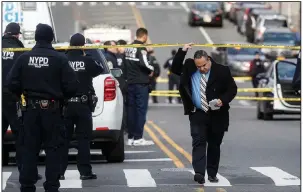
(246,9)
(279,78)
(255,13)
(108,135)
(278,36)
(203,13)
(237,59)
(266,22)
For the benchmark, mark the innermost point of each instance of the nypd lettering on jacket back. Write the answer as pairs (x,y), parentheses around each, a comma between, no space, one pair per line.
(77,65)
(38,62)
(7,55)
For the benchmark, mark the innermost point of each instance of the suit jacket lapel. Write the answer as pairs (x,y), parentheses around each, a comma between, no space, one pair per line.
(212,75)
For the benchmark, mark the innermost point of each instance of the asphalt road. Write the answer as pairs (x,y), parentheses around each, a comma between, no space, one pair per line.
(261,156)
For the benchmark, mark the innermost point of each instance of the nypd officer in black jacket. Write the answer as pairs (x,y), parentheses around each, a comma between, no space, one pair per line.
(138,73)
(45,78)
(80,107)
(9,110)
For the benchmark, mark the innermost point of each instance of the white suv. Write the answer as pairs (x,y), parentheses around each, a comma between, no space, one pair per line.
(108,135)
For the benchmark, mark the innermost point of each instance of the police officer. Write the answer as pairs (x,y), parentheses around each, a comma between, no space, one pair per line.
(153,80)
(80,107)
(173,79)
(117,57)
(45,78)
(138,73)
(256,68)
(9,110)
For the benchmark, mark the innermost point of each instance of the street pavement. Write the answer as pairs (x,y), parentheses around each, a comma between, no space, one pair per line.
(256,155)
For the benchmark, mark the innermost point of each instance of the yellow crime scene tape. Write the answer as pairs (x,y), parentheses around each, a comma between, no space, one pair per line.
(162,45)
(237,97)
(239,90)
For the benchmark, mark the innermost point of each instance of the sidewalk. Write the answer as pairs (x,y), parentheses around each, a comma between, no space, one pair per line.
(291,9)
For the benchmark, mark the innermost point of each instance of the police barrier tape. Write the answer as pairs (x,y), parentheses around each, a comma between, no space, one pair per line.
(239,90)
(237,97)
(163,45)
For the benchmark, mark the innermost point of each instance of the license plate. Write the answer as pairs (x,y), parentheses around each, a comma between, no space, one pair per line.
(207,19)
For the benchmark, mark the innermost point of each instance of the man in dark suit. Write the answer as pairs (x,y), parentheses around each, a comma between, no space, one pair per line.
(203,80)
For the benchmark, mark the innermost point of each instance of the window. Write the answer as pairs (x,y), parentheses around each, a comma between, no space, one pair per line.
(285,71)
(243,51)
(207,6)
(275,23)
(279,37)
(29,6)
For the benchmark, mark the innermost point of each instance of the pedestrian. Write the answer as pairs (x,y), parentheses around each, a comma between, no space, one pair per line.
(45,78)
(138,73)
(80,107)
(110,54)
(123,81)
(173,79)
(205,84)
(153,80)
(256,68)
(9,100)
(296,82)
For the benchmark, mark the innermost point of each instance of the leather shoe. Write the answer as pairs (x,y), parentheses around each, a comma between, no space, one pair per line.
(39,177)
(62,177)
(199,178)
(88,177)
(213,179)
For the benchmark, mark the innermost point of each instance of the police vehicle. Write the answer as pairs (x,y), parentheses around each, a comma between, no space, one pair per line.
(28,15)
(278,78)
(107,118)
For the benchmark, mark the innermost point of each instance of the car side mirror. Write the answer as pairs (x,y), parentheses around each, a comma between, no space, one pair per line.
(116,72)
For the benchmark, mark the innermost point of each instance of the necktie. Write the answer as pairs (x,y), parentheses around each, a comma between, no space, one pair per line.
(203,94)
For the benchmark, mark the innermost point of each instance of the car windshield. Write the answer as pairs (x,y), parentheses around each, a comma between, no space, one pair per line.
(275,23)
(279,37)
(242,51)
(207,6)
(286,71)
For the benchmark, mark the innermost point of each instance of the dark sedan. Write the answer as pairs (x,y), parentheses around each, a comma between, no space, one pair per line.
(206,13)
(238,59)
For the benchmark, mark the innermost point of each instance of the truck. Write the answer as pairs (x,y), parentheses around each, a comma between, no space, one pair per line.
(28,15)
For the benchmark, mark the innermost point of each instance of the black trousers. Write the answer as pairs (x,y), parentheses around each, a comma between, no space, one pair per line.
(9,118)
(153,84)
(41,126)
(173,81)
(204,139)
(78,114)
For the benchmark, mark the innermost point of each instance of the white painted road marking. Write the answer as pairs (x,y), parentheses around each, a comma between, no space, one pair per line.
(245,103)
(72,180)
(132,3)
(280,177)
(105,3)
(170,3)
(223,182)
(157,3)
(118,3)
(93,3)
(53,3)
(5,176)
(139,178)
(201,29)
(79,3)
(144,3)
(147,160)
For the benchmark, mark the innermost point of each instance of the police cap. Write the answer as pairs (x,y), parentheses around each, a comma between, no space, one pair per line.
(77,40)
(13,29)
(44,32)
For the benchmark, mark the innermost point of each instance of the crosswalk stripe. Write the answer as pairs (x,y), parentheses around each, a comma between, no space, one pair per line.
(5,177)
(139,178)
(53,3)
(72,180)
(93,3)
(280,177)
(157,3)
(79,3)
(105,3)
(118,3)
(65,3)
(144,3)
(223,182)
(132,3)
(170,3)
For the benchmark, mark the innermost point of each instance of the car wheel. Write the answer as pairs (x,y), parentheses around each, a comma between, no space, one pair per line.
(268,116)
(259,113)
(114,151)
(5,157)
(191,23)
(220,24)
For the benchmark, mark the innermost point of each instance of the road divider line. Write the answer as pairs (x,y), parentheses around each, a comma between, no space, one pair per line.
(139,178)
(279,177)
(72,180)
(5,177)
(171,142)
(170,154)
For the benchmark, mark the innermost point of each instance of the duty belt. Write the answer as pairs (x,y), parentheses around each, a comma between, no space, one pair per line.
(43,104)
(82,99)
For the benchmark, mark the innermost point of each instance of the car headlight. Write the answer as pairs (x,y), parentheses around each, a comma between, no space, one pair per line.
(28,35)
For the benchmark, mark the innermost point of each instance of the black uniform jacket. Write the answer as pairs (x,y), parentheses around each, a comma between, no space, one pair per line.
(220,85)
